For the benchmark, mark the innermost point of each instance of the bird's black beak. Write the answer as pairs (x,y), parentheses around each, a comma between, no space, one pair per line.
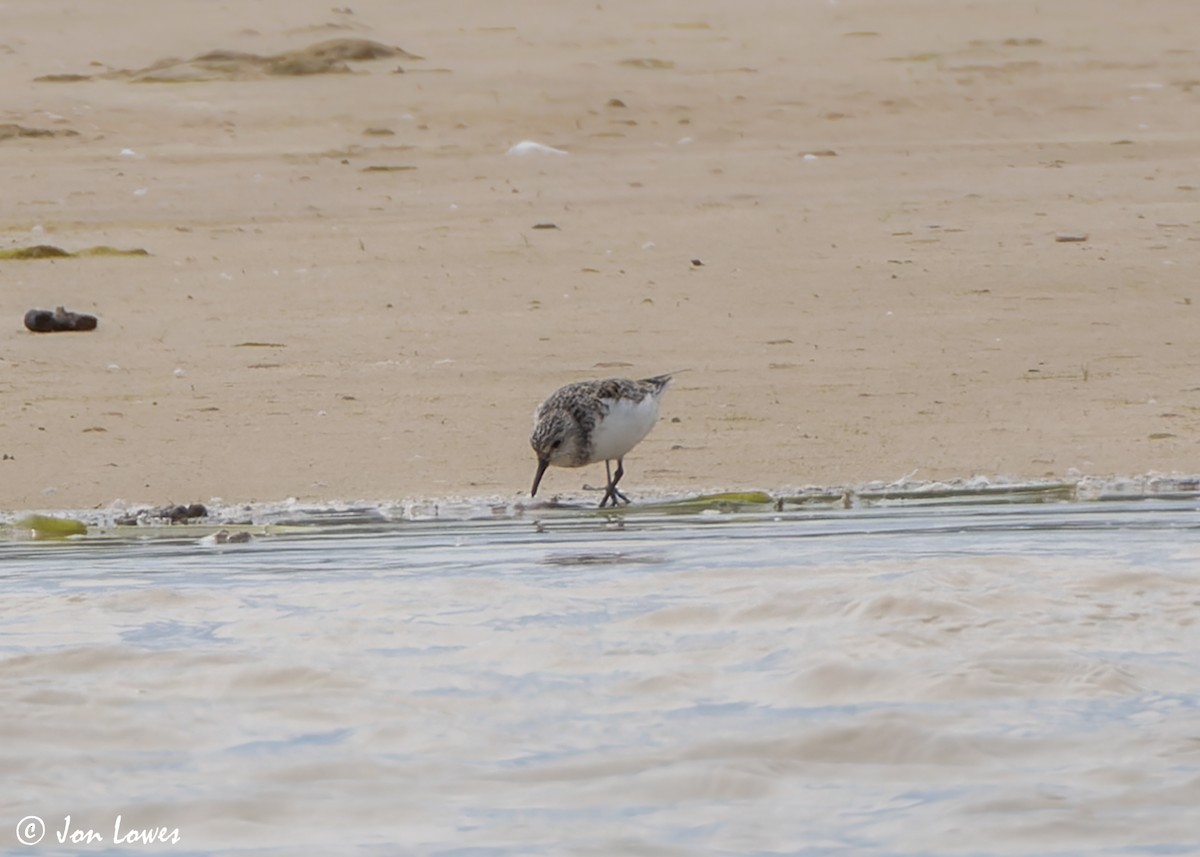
(543,463)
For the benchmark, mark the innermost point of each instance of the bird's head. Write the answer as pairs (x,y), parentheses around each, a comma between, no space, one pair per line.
(555,440)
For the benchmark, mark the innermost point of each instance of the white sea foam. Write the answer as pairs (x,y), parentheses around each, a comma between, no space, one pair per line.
(292,513)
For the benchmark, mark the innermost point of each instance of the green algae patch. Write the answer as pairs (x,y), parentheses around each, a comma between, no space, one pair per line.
(37,251)
(740,497)
(48,527)
(105,250)
(49,251)
(815,499)
(725,501)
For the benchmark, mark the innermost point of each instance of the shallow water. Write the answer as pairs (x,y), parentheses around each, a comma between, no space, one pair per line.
(932,678)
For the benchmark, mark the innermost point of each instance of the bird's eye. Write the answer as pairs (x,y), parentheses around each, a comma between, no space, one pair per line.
(556,444)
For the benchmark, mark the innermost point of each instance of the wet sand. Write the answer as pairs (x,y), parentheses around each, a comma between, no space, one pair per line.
(346,296)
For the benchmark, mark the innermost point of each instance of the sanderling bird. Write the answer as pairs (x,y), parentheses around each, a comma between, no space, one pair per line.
(592,421)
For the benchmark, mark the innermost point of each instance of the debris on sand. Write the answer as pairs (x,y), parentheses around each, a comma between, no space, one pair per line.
(327,57)
(49,251)
(9,131)
(62,78)
(37,251)
(44,321)
(648,62)
(105,250)
(169,514)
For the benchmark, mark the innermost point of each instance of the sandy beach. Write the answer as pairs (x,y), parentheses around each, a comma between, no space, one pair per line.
(937,239)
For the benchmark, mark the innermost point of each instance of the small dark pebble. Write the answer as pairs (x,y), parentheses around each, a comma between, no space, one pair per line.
(174,514)
(696,263)
(183,514)
(44,321)
(545,226)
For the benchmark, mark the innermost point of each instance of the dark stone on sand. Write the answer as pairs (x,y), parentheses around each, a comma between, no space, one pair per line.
(44,321)
(180,514)
(175,514)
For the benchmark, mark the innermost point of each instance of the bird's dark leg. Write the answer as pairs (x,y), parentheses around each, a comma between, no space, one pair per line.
(608,487)
(610,491)
(617,478)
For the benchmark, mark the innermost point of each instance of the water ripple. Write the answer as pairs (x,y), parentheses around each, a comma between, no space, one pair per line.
(914,679)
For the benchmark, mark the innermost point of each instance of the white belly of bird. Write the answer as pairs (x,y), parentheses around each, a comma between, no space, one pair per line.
(623,428)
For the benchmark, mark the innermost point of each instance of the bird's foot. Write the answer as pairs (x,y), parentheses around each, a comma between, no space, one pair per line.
(611,494)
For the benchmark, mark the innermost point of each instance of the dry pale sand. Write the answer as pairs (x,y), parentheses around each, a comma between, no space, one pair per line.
(874,188)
